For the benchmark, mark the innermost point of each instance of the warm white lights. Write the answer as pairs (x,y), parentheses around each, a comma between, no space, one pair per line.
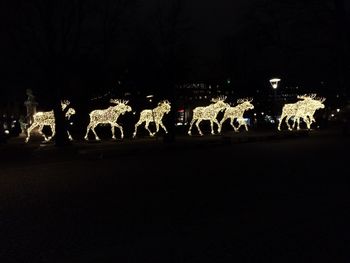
(41,119)
(154,115)
(108,116)
(237,112)
(304,109)
(274,82)
(208,113)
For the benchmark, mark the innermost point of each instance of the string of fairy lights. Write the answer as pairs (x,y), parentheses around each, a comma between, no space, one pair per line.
(208,113)
(302,110)
(154,115)
(108,116)
(47,118)
(237,113)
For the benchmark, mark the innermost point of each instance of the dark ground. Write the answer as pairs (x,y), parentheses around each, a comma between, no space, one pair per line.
(199,200)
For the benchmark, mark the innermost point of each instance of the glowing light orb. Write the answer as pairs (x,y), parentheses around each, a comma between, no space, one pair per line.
(108,116)
(236,113)
(208,113)
(154,115)
(304,109)
(41,119)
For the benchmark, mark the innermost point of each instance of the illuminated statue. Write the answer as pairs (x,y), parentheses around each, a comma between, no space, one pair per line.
(208,113)
(108,116)
(237,112)
(47,118)
(155,115)
(303,109)
(307,110)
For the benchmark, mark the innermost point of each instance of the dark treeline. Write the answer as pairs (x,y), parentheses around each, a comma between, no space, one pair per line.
(81,49)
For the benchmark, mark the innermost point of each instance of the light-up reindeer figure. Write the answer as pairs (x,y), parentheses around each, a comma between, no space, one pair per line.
(208,113)
(108,116)
(47,118)
(154,115)
(307,109)
(304,109)
(289,110)
(237,113)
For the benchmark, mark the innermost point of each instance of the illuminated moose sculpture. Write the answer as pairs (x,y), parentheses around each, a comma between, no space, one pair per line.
(208,113)
(303,109)
(47,118)
(237,113)
(307,110)
(108,116)
(154,115)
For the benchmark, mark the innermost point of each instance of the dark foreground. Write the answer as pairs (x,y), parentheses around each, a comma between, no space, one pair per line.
(278,200)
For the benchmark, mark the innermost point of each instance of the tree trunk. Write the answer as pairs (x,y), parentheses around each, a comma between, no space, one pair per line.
(171,120)
(57,78)
(61,138)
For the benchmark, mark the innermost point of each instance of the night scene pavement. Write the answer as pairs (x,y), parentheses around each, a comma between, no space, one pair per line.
(212,200)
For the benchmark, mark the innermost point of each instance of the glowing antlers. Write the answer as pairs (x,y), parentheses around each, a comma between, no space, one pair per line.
(220,98)
(312,96)
(321,99)
(64,104)
(240,101)
(114,101)
(164,102)
(307,96)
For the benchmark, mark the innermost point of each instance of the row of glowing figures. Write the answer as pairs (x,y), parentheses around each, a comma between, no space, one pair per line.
(304,110)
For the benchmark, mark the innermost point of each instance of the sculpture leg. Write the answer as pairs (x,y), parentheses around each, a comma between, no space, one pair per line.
(146,126)
(234,127)
(29,130)
(157,127)
(86,137)
(162,125)
(308,123)
(53,131)
(298,123)
(231,123)
(199,130)
(294,122)
(280,122)
(93,130)
(191,124)
(218,124)
(121,130)
(246,126)
(221,122)
(112,130)
(136,125)
(239,126)
(212,127)
(312,119)
(287,122)
(40,130)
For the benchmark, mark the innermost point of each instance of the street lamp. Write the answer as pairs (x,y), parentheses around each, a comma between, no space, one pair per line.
(274,83)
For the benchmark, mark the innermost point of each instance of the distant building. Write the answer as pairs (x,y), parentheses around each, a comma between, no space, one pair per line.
(191,95)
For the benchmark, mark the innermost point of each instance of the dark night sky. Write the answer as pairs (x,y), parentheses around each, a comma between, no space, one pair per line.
(307,40)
